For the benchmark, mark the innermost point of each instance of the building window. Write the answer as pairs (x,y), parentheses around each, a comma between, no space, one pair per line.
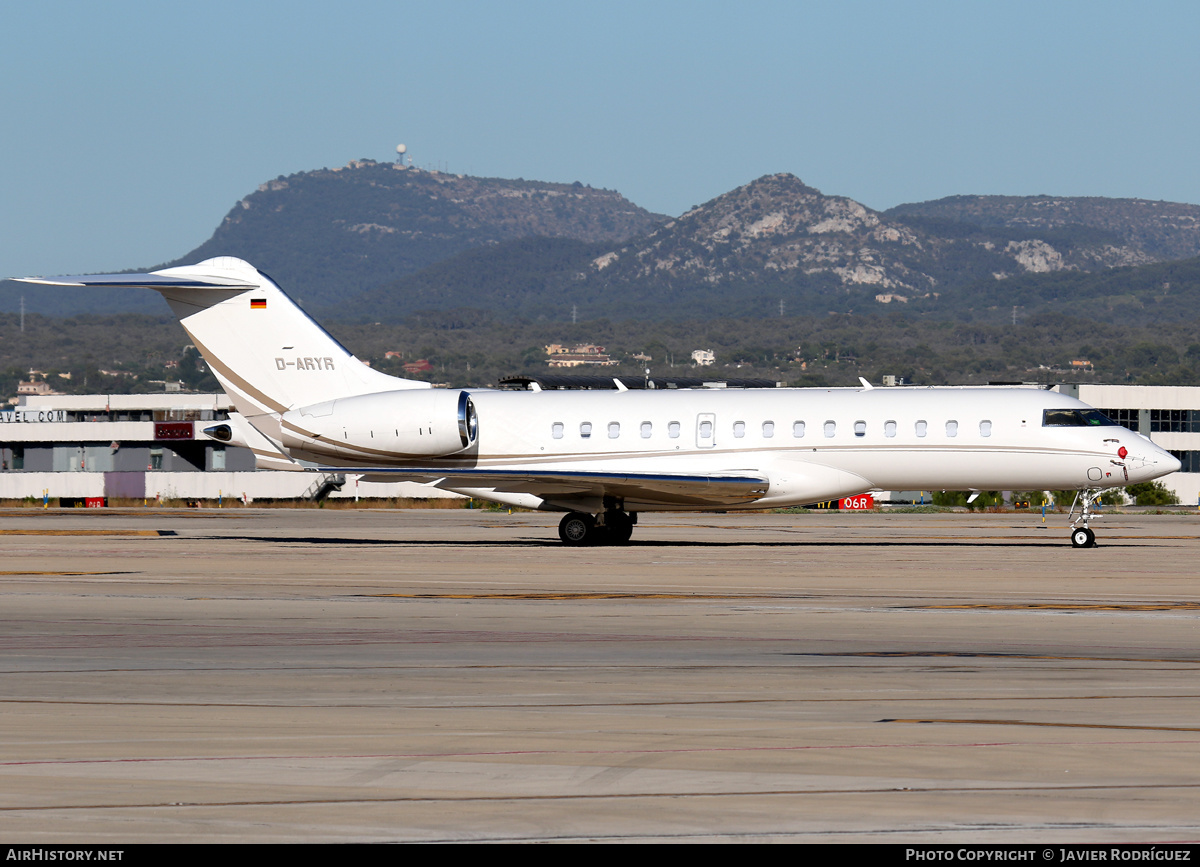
(1124,417)
(1174,421)
(556,430)
(739,429)
(768,429)
(218,457)
(1190,461)
(156,458)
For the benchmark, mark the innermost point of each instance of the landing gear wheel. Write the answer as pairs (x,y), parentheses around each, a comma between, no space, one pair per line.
(576,529)
(619,528)
(1083,538)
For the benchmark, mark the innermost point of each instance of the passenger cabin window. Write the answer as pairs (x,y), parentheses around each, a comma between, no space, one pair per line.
(556,430)
(585,429)
(739,429)
(985,428)
(614,429)
(647,429)
(860,428)
(768,429)
(1075,418)
(922,428)
(951,428)
(673,430)
(830,428)
(705,429)
(889,428)
(797,429)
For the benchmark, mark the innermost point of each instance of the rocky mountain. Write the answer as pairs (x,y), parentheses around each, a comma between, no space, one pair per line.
(777,231)
(330,234)
(778,242)
(1150,231)
(373,242)
(327,235)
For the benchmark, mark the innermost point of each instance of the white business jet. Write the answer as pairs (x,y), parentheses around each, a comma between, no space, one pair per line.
(604,456)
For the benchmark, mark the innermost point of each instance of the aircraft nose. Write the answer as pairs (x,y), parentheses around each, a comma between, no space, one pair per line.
(1159,462)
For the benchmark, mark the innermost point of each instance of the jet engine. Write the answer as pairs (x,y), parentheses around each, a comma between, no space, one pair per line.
(388,427)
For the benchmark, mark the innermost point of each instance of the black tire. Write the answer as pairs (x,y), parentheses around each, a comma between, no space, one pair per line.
(1083,538)
(620,528)
(577,529)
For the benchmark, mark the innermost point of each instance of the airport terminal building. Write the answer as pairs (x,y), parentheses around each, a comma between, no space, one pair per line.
(147,446)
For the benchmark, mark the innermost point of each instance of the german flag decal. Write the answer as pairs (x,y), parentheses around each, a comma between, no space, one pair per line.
(258,303)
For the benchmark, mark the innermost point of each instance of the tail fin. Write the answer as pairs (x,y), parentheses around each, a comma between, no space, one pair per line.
(267,353)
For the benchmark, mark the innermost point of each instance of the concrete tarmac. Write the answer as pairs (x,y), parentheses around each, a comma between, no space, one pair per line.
(449,675)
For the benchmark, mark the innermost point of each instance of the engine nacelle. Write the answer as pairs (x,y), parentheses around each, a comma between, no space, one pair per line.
(384,428)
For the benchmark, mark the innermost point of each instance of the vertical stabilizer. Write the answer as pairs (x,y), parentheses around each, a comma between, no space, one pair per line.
(267,353)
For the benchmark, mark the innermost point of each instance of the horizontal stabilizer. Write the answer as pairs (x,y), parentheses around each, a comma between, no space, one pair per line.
(136,281)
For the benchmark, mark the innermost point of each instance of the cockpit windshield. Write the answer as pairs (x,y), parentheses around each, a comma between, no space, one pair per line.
(1075,418)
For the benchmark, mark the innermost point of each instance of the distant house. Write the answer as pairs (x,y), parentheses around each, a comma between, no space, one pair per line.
(703,357)
(421,365)
(584,353)
(35,388)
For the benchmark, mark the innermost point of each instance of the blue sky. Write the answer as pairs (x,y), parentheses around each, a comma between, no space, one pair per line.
(128,129)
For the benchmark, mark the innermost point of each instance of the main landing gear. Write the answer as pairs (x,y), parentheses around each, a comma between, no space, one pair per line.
(1082,535)
(612,527)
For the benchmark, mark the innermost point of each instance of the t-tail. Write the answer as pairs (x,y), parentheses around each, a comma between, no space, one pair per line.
(267,353)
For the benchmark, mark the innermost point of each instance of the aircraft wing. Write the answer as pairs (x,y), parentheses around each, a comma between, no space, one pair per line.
(656,488)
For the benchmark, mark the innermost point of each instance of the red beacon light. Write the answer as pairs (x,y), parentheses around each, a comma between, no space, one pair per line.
(1122,452)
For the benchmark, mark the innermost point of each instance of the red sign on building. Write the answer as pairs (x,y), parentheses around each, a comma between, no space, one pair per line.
(173,430)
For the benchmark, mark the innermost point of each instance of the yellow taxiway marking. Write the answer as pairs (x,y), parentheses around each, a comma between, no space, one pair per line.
(563,596)
(1021,722)
(34,572)
(1067,606)
(87,532)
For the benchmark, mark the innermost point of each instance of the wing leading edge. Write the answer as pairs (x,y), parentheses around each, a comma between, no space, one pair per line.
(656,488)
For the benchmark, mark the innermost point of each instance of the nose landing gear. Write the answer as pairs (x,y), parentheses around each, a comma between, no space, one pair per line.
(1082,535)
